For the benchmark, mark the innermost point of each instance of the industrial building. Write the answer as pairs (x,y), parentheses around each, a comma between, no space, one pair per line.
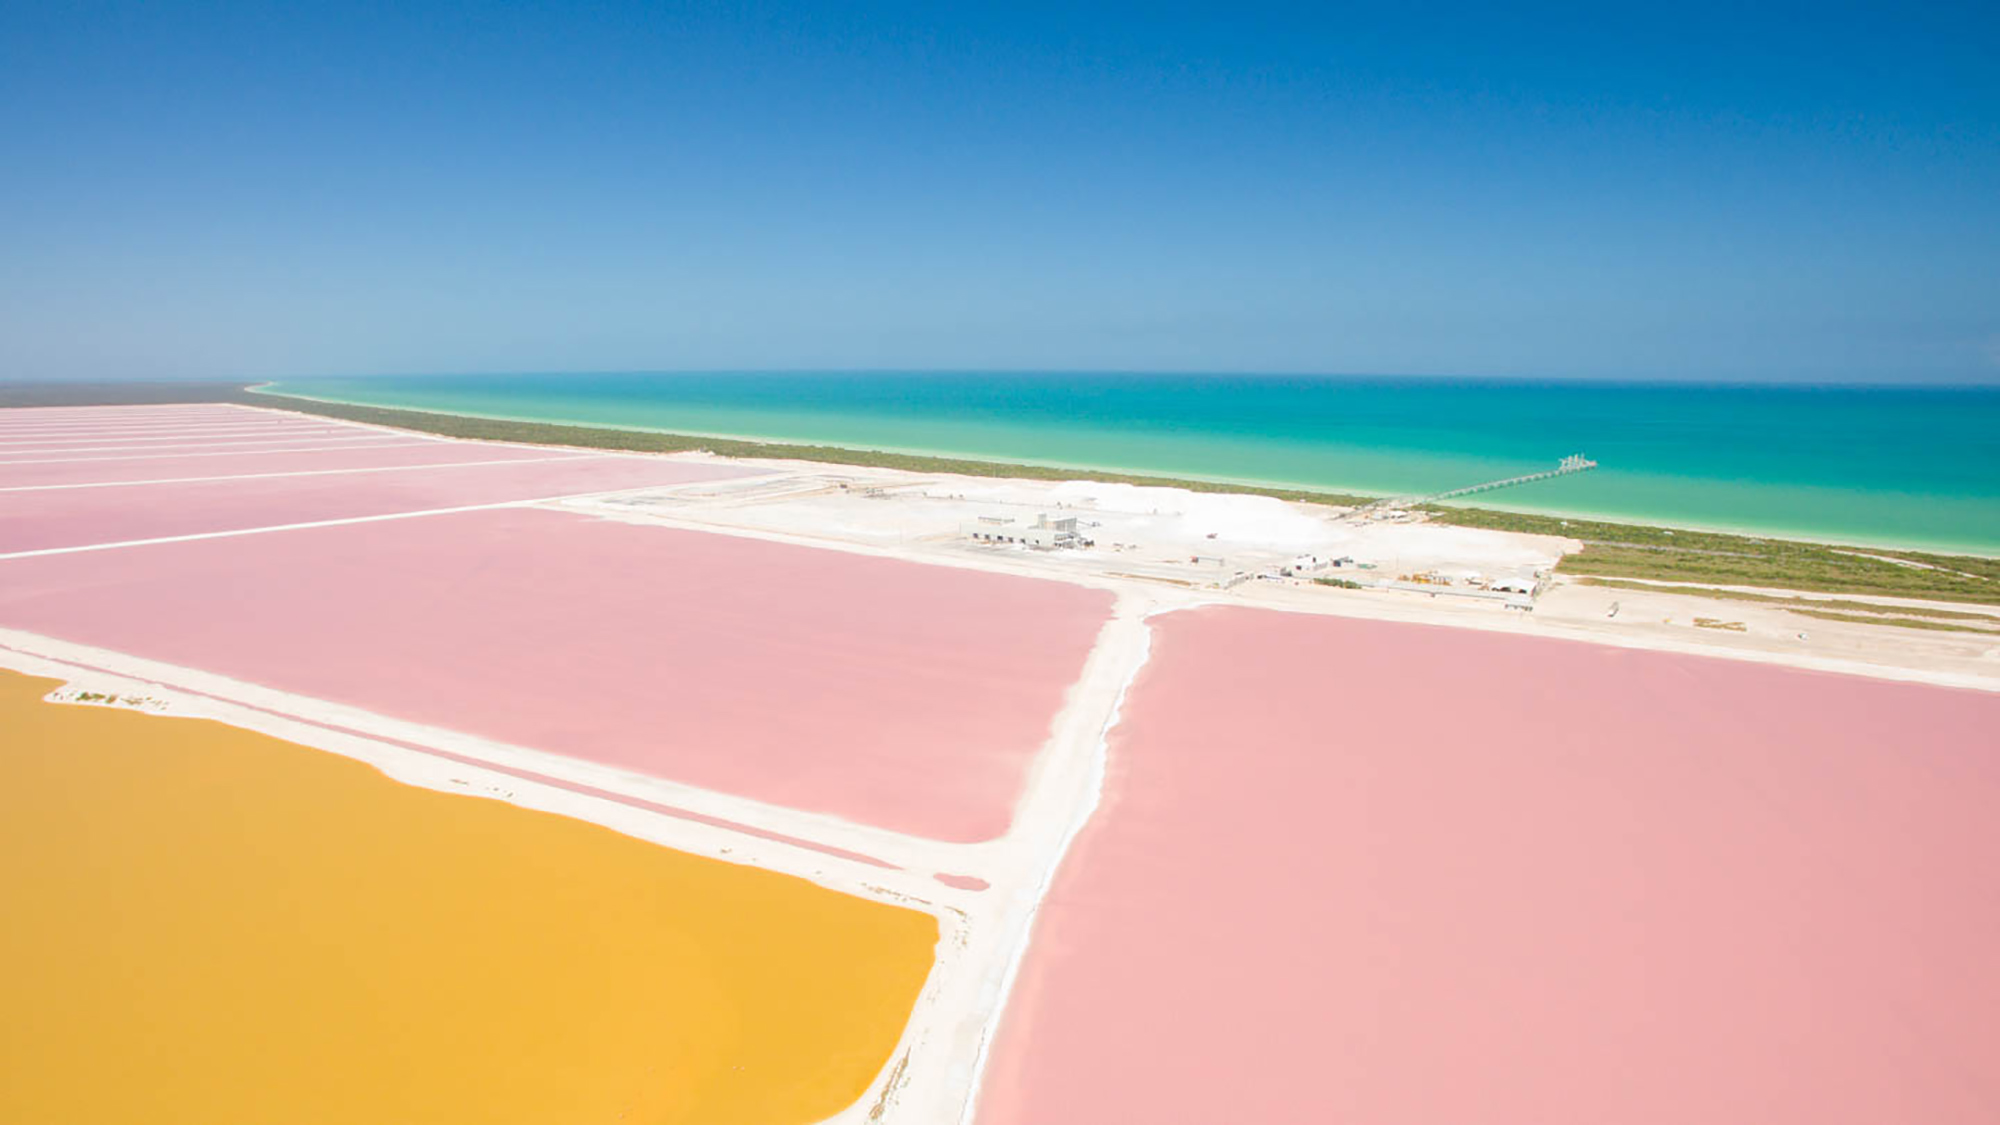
(1046,534)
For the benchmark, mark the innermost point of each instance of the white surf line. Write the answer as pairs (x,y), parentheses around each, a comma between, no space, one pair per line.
(210,444)
(494,443)
(342,522)
(296,473)
(491,443)
(4,462)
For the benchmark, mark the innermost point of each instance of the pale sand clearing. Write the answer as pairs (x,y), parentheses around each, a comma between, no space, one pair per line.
(919,517)
(1355,871)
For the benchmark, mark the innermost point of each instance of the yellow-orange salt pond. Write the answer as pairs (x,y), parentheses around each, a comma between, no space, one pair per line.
(206,924)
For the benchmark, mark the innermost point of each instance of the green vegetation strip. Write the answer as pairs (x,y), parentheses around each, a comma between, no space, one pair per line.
(1787,602)
(1612,550)
(1905,622)
(1617,550)
(649,441)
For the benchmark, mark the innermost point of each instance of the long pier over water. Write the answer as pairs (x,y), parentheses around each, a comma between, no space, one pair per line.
(1574,463)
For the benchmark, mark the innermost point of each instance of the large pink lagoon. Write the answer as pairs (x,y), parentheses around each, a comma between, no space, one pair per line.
(1366,872)
(58,518)
(70,472)
(906,696)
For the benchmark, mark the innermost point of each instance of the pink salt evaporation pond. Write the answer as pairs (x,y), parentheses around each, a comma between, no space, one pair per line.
(896,694)
(1370,872)
(45,519)
(304,455)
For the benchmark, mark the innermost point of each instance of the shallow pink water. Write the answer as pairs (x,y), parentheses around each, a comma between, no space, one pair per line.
(66,518)
(60,439)
(896,694)
(59,469)
(1364,872)
(85,417)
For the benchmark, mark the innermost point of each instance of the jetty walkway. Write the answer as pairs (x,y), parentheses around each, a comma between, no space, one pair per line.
(1574,463)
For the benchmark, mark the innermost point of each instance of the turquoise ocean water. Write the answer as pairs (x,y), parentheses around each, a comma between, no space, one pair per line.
(1914,467)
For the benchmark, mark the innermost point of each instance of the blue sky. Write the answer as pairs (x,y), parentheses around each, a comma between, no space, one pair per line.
(1798,192)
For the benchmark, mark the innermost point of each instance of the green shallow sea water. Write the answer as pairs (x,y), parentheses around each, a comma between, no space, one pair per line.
(1908,467)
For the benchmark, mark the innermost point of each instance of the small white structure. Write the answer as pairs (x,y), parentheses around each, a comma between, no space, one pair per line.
(1046,534)
(1308,564)
(1052,534)
(991,529)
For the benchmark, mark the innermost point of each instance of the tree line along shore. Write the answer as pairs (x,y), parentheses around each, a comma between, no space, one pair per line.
(1613,553)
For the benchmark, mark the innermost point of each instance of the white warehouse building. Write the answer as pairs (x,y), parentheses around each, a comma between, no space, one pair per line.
(1046,534)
